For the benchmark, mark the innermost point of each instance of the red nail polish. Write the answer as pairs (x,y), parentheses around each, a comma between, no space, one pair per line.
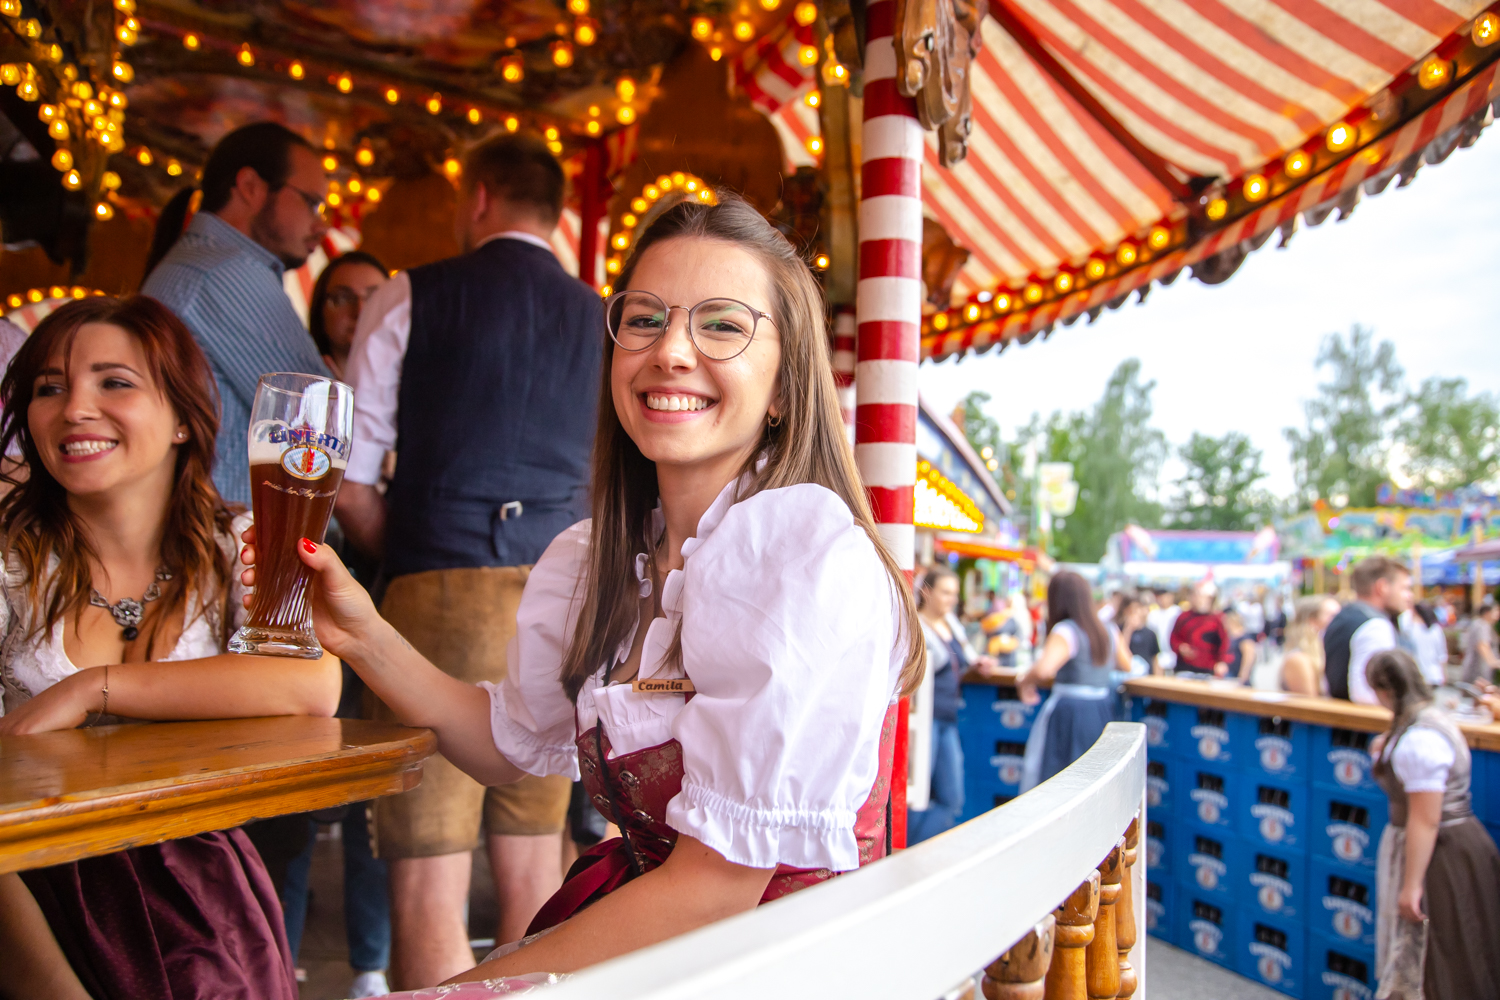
(309,547)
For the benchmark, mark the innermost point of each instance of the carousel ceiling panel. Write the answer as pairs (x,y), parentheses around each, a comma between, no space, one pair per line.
(1110,135)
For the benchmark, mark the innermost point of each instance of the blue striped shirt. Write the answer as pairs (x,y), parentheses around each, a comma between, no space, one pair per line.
(227,289)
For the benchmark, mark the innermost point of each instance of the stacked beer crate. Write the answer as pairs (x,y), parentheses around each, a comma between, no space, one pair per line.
(993,725)
(1261,843)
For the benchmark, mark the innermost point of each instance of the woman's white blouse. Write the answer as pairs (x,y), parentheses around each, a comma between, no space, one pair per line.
(32,663)
(789,635)
(1422,759)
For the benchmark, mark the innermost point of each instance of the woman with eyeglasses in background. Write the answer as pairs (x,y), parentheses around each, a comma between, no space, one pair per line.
(338,296)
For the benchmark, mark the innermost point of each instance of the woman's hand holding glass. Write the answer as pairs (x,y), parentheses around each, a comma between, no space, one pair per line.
(344,616)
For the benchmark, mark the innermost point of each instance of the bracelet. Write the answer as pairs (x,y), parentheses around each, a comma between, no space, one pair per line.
(104,709)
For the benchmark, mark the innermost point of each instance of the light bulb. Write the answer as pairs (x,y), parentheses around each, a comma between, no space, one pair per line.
(1095,268)
(585,33)
(1297,163)
(1159,237)
(62,161)
(1034,292)
(562,54)
(592,128)
(625,89)
(1256,187)
(245,56)
(345,83)
(805,13)
(1217,209)
(104,210)
(1486,29)
(512,123)
(744,30)
(191,42)
(435,104)
(1125,253)
(513,68)
(815,145)
(474,116)
(72,180)
(364,156)
(625,115)
(1341,136)
(1063,282)
(392,95)
(812,98)
(110,181)
(143,156)
(702,28)
(1434,72)
(807,55)
(296,71)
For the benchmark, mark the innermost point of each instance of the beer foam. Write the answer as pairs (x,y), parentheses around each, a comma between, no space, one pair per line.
(269,453)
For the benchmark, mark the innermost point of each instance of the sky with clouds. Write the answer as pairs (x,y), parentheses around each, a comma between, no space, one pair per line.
(1420,266)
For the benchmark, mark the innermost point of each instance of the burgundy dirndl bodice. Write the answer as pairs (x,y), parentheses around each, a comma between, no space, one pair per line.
(632,791)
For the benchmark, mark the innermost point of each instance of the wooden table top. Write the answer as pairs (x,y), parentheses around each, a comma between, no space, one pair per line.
(84,792)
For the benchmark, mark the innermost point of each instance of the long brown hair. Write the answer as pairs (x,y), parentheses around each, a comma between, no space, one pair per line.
(807,446)
(1070,599)
(35,519)
(1397,674)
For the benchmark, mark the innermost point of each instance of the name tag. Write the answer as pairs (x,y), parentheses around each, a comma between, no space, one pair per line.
(663,685)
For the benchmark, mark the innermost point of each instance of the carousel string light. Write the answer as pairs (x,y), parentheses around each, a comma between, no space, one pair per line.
(702,28)
(1486,29)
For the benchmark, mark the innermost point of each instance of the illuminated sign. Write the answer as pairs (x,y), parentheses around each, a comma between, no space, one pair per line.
(941,504)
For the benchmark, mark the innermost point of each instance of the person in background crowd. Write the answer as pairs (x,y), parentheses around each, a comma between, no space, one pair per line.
(1198,636)
(1302,666)
(261,213)
(485,366)
(1479,642)
(949,657)
(1240,660)
(338,296)
(1003,631)
(1365,626)
(1139,638)
(1111,606)
(1438,872)
(1425,636)
(119,595)
(1276,622)
(1079,655)
(1161,619)
(1444,611)
(1252,613)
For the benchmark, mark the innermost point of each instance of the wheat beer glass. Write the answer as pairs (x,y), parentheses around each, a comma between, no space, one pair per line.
(300,432)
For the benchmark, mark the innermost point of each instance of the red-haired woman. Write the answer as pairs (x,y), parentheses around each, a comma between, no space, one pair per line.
(119,591)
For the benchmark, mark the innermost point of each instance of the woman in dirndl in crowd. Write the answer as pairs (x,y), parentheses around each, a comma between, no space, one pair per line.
(720,649)
(119,593)
(1078,657)
(1437,931)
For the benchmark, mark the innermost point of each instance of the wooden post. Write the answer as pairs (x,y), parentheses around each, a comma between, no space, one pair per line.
(1067,978)
(1319,587)
(1416,571)
(1019,974)
(1476,594)
(1125,929)
(592,209)
(1103,954)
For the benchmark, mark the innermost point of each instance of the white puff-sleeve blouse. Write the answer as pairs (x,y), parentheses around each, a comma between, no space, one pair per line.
(790,638)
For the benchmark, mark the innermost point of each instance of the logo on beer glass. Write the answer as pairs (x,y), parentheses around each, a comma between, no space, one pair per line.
(306,461)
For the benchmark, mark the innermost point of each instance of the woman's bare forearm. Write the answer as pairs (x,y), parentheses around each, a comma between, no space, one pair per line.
(700,888)
(423,696)
(226,686)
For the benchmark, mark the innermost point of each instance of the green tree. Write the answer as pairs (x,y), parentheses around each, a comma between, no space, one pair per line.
(1116,456)
(1451,438)
(1343,451)
(1218,490)
(982,430)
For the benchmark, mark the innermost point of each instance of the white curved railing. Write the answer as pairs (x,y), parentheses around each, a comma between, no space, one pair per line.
(911,926)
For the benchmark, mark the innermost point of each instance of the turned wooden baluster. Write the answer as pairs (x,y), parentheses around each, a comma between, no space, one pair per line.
(1103,954)
(1019,973)
(1125,929)
(1067,977)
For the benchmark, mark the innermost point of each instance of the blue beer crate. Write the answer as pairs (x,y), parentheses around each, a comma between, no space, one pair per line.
(1481,785)
(1204,735)
(997,712)
(1274,812)
(1205,926)
(1158,848)
(1274,882)
(1159,778)
(1336,971)
(1160,895)
(1155,715)
(1341,760)
(1210,863)
(1272,952)
(1346,828)
(1206,795)
(1272,745)
(1342,904)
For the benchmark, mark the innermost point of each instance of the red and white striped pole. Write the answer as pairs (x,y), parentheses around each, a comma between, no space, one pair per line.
(889,316)
(843,364)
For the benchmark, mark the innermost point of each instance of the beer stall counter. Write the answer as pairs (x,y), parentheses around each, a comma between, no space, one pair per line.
(1262,820)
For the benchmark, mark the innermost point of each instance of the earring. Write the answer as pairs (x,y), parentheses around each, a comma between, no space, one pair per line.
(774,421)
(181,436)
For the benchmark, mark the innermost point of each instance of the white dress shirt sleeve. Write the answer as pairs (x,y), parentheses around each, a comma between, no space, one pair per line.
(374,372)
(1422,760)
(1374,636)
(789,634)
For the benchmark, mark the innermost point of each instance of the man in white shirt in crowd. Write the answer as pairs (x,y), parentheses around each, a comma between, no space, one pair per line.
(1160,620)
(1365,626)
(485,369)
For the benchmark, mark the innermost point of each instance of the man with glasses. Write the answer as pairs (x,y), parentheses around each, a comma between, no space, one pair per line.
(485,367)
(261,212)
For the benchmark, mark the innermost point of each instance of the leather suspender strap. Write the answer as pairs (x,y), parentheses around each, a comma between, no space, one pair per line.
(614,807)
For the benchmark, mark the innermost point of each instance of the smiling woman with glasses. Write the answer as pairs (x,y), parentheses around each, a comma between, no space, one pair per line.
(340,292)
(719,651)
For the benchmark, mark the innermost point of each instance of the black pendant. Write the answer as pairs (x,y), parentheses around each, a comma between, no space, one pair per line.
(131,632)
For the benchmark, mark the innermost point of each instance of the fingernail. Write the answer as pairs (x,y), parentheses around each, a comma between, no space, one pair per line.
(309,547)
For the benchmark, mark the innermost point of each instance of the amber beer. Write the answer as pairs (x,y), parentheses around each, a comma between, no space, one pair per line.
(299,448)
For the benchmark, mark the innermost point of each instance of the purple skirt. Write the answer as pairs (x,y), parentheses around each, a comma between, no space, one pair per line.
(191,919)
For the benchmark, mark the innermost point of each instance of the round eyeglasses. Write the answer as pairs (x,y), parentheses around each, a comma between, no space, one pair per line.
(720,329)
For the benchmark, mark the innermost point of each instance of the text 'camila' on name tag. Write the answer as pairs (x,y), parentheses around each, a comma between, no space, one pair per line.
(663,685)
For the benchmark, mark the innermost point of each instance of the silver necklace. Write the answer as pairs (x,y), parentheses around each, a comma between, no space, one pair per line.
(127,611)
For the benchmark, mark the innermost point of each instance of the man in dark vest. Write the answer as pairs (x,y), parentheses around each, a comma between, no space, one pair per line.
(483,371)
(1366,626)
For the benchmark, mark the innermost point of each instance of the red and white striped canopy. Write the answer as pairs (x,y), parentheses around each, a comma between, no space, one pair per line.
(1193,93)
